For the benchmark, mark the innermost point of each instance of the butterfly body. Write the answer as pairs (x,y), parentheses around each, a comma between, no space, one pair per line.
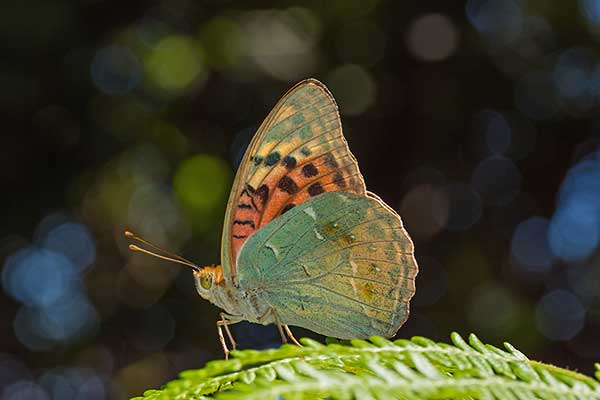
(239,303)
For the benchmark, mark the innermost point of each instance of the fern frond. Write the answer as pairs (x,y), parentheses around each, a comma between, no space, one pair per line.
(380,369)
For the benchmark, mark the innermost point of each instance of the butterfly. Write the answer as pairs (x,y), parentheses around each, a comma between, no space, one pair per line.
(304,243)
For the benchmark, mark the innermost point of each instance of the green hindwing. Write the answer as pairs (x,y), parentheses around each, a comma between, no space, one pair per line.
(339,264)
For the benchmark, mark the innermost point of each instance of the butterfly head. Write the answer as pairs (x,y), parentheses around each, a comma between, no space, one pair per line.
(206,278)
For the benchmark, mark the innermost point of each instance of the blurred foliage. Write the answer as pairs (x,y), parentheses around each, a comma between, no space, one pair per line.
(476,120)
(380,369)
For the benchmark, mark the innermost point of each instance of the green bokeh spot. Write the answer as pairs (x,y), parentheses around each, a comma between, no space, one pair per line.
(168,138)
(202,183)
(223,40)
(175,63)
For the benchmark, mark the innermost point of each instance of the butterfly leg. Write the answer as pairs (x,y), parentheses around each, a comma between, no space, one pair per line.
(272,313)
(282,328)
(291,335)
(279,328)
(222,340)
(225,322)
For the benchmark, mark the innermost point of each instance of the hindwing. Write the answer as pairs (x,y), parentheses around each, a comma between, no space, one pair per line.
(339,264)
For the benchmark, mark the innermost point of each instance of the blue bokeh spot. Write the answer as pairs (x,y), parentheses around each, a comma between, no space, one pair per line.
(530,244)
(74,241)
(499,21)
(559,315)
(574,231)
(116,70)
(39,277)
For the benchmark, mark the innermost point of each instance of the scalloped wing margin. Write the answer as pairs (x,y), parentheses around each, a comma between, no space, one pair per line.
(339,264)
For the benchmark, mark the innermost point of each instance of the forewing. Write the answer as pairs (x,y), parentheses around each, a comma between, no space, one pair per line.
(298,152)
(339,264)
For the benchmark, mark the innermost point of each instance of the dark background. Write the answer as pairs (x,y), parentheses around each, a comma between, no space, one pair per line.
(476,120)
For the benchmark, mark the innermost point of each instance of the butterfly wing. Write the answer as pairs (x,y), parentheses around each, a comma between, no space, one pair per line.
(298,152)
(339,264)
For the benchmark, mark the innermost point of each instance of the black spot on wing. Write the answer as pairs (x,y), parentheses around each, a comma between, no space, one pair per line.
(287,208)
(315,189)
(257,159)
(309,170)
(289,162)
(287,185)
(305,151)
(244,206)
(263,193)
(330,161)
(272,158)
(338,179)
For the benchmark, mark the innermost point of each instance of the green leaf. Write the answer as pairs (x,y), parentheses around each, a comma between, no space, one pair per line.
(380,369)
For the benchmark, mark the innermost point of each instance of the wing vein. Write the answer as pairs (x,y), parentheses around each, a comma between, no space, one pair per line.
(340,322)
(357,244)
(342,216)
(317,200)
(301,126)
(307,161)
(352,298)
(364,278)
(300,188)
(249,177)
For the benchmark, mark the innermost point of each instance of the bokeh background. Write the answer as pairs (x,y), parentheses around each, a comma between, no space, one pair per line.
(477,121)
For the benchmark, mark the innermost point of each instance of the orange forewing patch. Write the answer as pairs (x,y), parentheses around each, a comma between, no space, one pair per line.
(285,188)
(309,179)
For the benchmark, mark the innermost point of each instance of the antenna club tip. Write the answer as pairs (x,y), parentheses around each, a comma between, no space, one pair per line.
(171,257)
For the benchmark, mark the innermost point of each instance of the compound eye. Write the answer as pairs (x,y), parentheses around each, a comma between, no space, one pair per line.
(206,280)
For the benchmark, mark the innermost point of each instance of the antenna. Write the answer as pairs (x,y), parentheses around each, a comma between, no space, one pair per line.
(172,257)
